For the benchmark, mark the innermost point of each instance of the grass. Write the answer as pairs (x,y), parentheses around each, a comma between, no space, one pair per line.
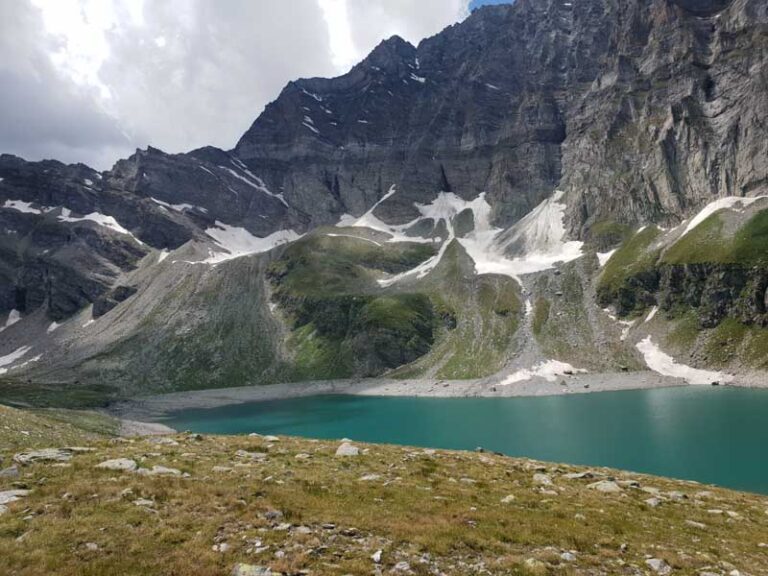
(630,272)
(440,511)
(707,243)
(607,233)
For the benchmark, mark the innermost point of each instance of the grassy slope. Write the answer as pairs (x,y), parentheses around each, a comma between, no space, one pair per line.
(44,428)
(438,511)
(486,311)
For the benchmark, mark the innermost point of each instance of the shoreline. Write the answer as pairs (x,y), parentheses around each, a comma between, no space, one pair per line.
(156,408)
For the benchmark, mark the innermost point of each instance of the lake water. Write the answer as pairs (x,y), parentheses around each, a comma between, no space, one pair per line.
(713,435)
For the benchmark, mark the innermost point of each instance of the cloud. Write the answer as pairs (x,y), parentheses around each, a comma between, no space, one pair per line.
(90,80)
(42,114)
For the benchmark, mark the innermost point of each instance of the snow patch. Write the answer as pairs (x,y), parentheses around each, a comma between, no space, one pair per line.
(179,207)
(306,125)
(355,237)
(162,255)
(237,242)
(603,257)
(665,365)
(492,87)
(13,317)
(730,202)
(528,307)
(52,327)
(419,79)
(88,182)
(13,357)
(550,370)
(91,321)
(98,218)
(252,180)
(22,206)
(651,314)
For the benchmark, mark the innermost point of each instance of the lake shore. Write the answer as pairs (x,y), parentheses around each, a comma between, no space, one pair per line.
(154,408)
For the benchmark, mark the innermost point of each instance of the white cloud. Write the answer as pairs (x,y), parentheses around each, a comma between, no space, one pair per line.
(91,79)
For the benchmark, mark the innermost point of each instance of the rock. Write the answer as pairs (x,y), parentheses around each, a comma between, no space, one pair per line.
(347,449)
(508,499)
(653,502)
(251,570)
(586,475)
(659,566)
(302,456)
(369,478)
(221,469)
(695,524)
(91,546)
(568,557)
(251,455)
(9,496)
(10,472)
(159,471)
(121,464)
(535,566)
(44,455)
(401,567)
(143,502)
(273,515)
(271,439)
(221,547)
(376,556)
(3,509)
(606,486)
(542,479)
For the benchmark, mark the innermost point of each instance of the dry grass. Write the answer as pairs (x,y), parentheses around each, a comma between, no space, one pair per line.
(439,511)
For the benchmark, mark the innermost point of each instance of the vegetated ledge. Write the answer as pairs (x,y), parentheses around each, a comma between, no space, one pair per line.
(210,505)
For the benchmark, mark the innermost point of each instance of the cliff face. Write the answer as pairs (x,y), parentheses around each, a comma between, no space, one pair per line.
(642,109)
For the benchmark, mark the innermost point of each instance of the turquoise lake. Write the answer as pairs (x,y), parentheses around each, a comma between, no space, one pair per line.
(712,435)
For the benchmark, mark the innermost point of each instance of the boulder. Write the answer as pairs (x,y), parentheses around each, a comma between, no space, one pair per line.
(606,486)
(659,566)
(43,455)
(121,464)
(347,449)
(9,496)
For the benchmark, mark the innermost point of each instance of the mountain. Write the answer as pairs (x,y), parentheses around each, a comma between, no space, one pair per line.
(578,183)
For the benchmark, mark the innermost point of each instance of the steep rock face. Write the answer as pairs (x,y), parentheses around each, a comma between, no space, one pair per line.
(642,110)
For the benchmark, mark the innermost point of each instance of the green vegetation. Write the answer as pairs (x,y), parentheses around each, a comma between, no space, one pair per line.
(299,509)
(732,340)
(630,275)
(540,315)
(707,243)
(341,323)
(607,233)
(477,320)
(21,429)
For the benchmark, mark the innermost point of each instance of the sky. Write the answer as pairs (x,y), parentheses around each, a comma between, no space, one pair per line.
(92,80)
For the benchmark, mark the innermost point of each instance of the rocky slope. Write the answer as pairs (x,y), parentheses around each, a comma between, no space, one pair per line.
(193,504)
(446,210)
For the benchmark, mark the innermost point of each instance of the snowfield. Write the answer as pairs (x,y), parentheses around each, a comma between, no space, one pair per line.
(236,242)
(535,243)
(665,365)
(549,370)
